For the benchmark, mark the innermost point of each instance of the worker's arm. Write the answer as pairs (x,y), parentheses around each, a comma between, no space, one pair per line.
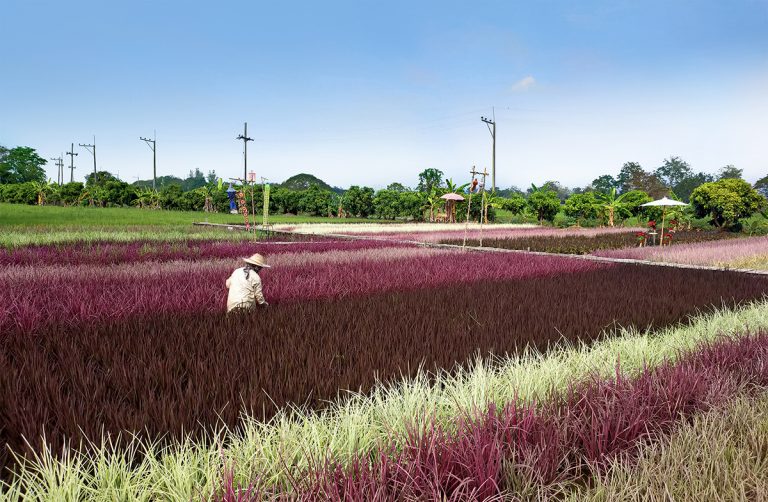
(258,295)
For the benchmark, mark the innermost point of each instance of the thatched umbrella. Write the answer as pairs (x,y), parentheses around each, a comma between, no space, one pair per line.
(450,200)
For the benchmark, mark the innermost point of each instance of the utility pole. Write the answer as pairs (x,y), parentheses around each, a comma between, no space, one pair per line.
(59,170)
(92,152)
(492,130)
(152,143)
(72,154)
(245,139)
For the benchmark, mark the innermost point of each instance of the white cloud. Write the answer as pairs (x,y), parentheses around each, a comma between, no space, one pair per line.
(524,84)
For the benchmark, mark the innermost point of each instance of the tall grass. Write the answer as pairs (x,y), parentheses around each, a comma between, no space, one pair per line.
(36,296)
(584,242)
(522,449)
(283,447)
(726,253)
(718,456)
(136,251)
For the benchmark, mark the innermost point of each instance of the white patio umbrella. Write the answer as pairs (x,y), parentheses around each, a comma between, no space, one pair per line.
(664,202)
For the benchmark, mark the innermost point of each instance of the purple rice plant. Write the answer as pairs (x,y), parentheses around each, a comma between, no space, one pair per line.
(566,438)
(716,253)
(114,253)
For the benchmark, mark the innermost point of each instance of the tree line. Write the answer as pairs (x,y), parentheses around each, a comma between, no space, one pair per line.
(722,200)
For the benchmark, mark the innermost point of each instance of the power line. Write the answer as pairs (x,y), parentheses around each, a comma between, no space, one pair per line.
(245,139)
(92,152)
(153,146)
(71,154)
(489,123)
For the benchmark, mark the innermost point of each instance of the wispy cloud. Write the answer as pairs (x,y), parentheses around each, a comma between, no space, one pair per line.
(524,84)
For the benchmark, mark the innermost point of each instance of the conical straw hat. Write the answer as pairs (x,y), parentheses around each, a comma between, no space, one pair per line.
(257,260)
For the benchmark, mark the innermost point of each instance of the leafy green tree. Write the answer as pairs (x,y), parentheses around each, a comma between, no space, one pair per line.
(19,193)
(303,181)
(730,172)
(562,192)
(544,203)
(689,184)
(5,170)
(20,165)
(628,171)
(196,179)
(286,201)
(386,204)
(673,171)
(604,183)
(514,203)
(509,192)
(316,201)
(429,179)
(359,201)
(69,193)
(162,182)
(410,205)
(398,187)
(726,201)
(170,197)
(632,203)
(761,186)
(648,183)
(99,178)
(582,206)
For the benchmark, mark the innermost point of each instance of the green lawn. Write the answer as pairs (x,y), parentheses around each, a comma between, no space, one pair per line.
(55,216)
(22,225)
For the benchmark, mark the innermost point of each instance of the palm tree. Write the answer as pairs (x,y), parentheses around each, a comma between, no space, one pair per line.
(610,203)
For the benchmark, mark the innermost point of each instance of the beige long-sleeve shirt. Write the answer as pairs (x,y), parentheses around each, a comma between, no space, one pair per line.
(244,292)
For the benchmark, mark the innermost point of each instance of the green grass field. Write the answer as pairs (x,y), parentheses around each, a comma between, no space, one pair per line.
(20,215)
(22,225)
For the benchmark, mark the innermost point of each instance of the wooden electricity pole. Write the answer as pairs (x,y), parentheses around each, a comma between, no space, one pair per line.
(72,154)
(59,170)
(152,143)
(245,139)
(92,152)
(491,124)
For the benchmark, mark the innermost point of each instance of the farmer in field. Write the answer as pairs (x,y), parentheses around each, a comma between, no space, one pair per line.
(245,286)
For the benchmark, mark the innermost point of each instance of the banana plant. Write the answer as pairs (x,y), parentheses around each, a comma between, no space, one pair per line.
(431,201)
(610,203)
(43,189)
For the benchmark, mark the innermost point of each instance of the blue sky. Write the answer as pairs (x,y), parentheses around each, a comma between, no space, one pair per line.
(370,92)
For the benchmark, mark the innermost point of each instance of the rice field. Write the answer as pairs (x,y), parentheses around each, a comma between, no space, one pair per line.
(384,369)
(747,253)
